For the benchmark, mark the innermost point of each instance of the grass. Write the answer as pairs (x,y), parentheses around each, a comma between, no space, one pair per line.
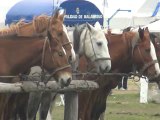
(123,105)
(127,107)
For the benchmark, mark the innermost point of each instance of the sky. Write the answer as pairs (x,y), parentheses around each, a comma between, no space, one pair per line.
(5,5)
(112,5)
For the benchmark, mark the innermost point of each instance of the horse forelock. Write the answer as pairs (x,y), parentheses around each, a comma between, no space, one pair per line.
(76,40)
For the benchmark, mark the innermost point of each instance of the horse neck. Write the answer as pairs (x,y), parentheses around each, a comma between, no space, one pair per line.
(25,52)
(120,51)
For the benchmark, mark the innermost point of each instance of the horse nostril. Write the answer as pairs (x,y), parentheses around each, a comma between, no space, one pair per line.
(70,59)
(66,82)
(106,69)
(101,70)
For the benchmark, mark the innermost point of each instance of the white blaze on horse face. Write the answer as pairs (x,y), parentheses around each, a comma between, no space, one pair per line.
(101,50)
(96,47)
(64,51)
(154,57)
(73,57)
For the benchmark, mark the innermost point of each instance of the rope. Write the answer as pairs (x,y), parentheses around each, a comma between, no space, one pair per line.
(39,75)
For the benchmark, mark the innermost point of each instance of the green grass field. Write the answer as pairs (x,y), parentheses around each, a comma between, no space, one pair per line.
(123,105)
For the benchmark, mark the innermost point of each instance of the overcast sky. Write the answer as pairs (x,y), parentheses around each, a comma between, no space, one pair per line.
(113,5)
(5,5)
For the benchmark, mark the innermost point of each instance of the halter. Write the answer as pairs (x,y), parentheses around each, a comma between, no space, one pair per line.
(94,55)
(67,43)
(43,59)
(146,65)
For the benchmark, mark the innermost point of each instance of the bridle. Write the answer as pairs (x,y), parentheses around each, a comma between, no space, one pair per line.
(43,59)
(94,53)
(64,44)
(146,65)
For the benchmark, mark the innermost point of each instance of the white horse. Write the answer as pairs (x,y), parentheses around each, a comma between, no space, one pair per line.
(89,41)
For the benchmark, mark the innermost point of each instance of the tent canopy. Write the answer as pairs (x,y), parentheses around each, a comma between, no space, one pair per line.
(77,11)
(154,27)
(27,9)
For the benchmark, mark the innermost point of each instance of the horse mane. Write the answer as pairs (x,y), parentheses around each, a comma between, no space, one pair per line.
(153,36)
(76,35)
(37,27)
(9,31)
(135,38)
(40,23)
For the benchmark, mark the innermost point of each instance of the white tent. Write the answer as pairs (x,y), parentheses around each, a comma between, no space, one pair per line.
(147,13)
(120,13)
(154,27)
(142,13)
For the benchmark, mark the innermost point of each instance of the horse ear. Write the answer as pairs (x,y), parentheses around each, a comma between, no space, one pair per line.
(56,14)
(97,25)
(61,17)
(141,33)
(90,27)
(146,29)
(62,13)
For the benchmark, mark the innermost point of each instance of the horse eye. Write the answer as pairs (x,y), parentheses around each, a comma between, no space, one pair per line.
(99,44)
(60,54)
(148,50)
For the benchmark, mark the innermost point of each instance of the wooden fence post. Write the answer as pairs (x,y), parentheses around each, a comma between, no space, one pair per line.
(71,106)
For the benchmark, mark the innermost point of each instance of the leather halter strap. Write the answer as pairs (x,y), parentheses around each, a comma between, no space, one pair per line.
(146,65)
(66,43)
(94,55)
(43,59)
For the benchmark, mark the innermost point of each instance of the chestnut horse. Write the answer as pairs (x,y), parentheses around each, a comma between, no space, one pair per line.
(88,42)
(38,28)
(155,38)
(126,50)
(36,51)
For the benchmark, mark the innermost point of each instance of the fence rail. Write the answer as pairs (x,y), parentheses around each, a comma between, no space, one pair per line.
(35,86)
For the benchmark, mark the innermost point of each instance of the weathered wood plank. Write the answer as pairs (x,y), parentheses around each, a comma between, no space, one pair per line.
(35,86)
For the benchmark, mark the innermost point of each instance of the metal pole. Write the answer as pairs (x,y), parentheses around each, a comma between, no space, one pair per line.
(118,10)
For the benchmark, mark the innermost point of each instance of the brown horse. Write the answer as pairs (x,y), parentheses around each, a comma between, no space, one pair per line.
(126,50)
(155,38)
(91,43)
(38,28)
(19,54)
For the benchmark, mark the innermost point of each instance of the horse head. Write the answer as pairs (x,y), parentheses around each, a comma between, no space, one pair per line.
(59,31)
(57,37)
(144,54)
(92,43)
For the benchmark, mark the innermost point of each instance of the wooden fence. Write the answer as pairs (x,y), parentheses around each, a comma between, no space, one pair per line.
(35,86)
(71,92)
